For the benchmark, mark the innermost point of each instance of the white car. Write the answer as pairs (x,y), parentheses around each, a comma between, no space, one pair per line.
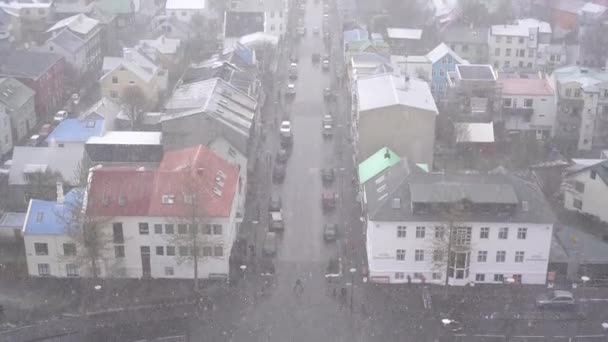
(60,116)
(291,89)
(285,127)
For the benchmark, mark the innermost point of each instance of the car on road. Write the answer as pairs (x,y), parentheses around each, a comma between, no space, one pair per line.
(275,203)
(293,58)
(282,155)
(276,221)
(291,89)
(34,140)
(327,119)
(325,64)
(301,31)
(316,31)
(285,127)
(270,244)
(328,131)
(287,140)
(278,173)
(328,200)
(293,71)
(60,116)
(330,232)
(328,175)
(327,94)
(557,299)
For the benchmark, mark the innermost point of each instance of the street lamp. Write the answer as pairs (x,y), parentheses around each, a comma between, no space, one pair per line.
(352,286)
(243,268)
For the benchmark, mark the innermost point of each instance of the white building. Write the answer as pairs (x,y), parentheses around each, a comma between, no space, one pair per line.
(501,228)
(6,132)
(529,105)
(586,189)
(184,10)
(88,32)
(518,45)
(275,13)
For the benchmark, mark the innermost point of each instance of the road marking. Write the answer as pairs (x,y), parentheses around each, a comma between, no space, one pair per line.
(594,299)
(524,336)
(589,336)
(490,335)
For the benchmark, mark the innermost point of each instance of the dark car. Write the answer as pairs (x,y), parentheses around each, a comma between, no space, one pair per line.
(278,174)
(327,94)
(287,140)
(328,175)
(557,299)
(275,203)
(282,155)
(330,232)
(328,200)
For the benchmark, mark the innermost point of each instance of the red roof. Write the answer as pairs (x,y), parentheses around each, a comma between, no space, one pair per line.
(192,171)
(525,86)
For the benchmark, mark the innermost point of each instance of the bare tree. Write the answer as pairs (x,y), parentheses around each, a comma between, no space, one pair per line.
(595,44)
(42,185)
(136,103)
(196,238)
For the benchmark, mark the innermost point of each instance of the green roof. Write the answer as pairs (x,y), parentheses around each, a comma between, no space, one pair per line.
(376,163)
(116,6)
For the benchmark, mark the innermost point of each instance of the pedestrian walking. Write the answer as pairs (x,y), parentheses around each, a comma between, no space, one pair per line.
(298,288)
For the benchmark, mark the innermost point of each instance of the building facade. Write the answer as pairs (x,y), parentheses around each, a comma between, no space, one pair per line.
(586,190)
(19,103)
(516,46)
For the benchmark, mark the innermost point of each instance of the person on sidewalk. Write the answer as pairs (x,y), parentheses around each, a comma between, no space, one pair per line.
(298,288)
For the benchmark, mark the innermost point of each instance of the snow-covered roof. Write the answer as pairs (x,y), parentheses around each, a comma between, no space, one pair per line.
(543,26)
(442,50)
(164,45)
(185,4)
(474,132)
(127,138)
(591,7)
(256,38)
(78,23)
(133,60)
(386,90)
(521,29)
(404,33)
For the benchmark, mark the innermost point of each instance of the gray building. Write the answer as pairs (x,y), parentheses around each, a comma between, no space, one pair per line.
(469,43)
(20,106)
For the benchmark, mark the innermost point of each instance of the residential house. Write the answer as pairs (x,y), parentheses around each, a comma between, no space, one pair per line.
(225,150)
(33,13)
(75,131)
(354,36)
(474,141)
(42,72)
(379,47)
(443,60)
(575,252)
(125,148)
(414,66)
(29,161)
(11,224)
(19,103)
(50,249)
(171,27)
(473,93)
(347,9)
(147,211)
(582,108)
(528,105)
(89,31)
(133,69)
(104,109)
(563,14)
(470,228)
(274,13)
(367,63)
(518,45)
(71,47)
(200,112)
(376,163)
(67,8)
(10,28)
(184,10)
(469,43)
(122,10)
(244,81)
(6,132)
(168,52)
(404,41)
(585,190)
(238,24)
(395,112)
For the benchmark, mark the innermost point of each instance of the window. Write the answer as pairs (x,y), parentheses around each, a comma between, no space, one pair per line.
(484,232)
(522,53)
(183,250)
(420,232)
(521,64)
(119,251)
(522,233)
(480,277)
(439,232)
(69,249)
(499,278)
(160,250)
(143,228)
(399,275)
(217,229)
(530,53)
(498,39)
(44,270)
(503,233)
(114,80)
(568,92)
(169,229)
(577,93)
(482,256)
(578,204)
(419,255)
(158,229)
(207,251)
(593,174)
(207,230)
(501,256)
(528,103)
(506,102)
(182,229)
(436,275)
(521,40)
(508,52)
(579,186)
(71,270)
(507,64)
(418,275)
(272,27)
(509,40)
(401,231)
(41,248)
(437,255)
(117,232)
(218,251)
(519,256)
(497,52)
(400,254)
(168,271)
(170,250)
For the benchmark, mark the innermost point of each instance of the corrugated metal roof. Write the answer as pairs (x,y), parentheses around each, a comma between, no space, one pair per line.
(377,163)
(78,23)
(385,90)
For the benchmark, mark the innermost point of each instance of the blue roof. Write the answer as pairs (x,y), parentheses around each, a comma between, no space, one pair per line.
(76,130)
(355,35)
(48,217)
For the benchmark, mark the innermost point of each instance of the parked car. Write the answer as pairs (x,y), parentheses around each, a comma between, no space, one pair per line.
(282,155)
(328,175)
(34,140)
(275,203)
(557,299)
(328,200)
(285,127)
(276,221)
(291,89)
(327,120)
(278,174)
(287,140)
(60,116)
(325,64)
(293,71)
(328,131)
(45,130)
(330,232)
(270,244)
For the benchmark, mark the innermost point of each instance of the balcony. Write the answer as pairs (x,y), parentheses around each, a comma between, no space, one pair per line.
(518,111)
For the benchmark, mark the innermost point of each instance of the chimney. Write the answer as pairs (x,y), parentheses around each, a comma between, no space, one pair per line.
(60,197)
